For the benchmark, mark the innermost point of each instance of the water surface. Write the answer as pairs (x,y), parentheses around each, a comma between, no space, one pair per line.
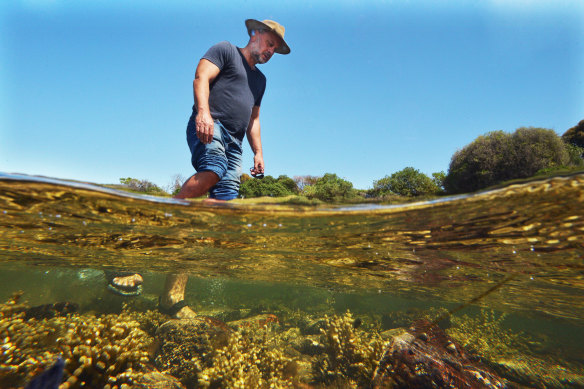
(523,242)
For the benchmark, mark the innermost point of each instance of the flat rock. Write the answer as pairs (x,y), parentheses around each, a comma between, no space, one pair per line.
(425,357)
(254,321)
(157,380)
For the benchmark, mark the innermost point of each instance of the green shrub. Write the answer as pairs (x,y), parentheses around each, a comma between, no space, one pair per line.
(331,188)
(575,135)
(289,184)
(438,180)
(267,186)
(499,156)
(407,182)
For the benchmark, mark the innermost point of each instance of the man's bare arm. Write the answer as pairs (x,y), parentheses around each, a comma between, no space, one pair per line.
(204,76)
(255,141)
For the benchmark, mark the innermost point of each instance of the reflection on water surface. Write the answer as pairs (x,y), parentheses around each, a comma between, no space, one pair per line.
(388,265)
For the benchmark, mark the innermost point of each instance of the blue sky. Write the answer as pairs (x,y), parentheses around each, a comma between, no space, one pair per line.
(98,90)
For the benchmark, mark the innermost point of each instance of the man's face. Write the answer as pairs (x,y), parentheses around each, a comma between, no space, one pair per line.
(264,46)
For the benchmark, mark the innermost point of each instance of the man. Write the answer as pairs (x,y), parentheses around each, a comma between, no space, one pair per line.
(228,90)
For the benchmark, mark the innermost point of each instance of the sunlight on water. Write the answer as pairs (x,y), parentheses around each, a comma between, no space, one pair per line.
(388,265)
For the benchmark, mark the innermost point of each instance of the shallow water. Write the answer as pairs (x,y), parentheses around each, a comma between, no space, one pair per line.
(524,243)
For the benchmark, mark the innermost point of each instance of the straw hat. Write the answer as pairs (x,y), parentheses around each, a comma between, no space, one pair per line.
(269,25)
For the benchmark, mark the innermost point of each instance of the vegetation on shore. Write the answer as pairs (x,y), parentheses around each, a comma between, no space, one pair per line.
(491,159)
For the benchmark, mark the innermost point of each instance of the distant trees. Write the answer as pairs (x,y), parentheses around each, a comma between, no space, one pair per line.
(267,186)
(499,156)
(302,181)
(175,184)
(327,188)
(143,186)
(575,135)
(408,182)
(330,187)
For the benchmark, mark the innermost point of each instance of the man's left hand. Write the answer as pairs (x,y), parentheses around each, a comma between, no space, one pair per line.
(258,165)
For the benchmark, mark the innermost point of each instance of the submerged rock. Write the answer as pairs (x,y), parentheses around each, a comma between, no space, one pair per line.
(425,357)
(534,372)
(254,321)
(49,311)
(157,380)
(187,346)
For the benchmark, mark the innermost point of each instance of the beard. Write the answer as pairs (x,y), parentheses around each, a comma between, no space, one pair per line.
(260,58)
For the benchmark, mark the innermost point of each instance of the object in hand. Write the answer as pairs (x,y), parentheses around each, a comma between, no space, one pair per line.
(255,175)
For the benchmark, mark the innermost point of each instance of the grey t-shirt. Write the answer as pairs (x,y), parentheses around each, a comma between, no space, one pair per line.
(235,91)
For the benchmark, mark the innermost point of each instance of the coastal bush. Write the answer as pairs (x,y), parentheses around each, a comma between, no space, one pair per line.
(267,186)
(408,182)
(499,156)
(330,188)
(438,179)
(575,135)
(288,183)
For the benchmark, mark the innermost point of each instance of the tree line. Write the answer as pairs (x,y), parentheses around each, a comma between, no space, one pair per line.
(490,159)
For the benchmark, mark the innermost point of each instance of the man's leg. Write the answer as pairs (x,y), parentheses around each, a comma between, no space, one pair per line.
(212,156)
(174,293)
(197,185)
(174,288)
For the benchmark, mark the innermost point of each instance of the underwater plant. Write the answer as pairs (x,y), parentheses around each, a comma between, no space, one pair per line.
(351,356)
(99,351)
(485,335)
(249,361)
(509,354)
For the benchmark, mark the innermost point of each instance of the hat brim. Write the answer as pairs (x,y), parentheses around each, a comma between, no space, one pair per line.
(253,24)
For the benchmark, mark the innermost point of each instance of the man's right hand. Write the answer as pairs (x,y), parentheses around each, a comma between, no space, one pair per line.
(205,125)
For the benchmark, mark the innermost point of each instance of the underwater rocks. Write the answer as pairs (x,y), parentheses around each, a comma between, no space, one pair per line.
(533,372)
(157,380)
(425,357)
(186,346)
(254,321)
(48,311)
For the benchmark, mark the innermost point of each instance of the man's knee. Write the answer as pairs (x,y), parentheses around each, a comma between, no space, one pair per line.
(208,179)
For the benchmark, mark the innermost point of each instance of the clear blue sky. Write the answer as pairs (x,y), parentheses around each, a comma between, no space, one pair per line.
(98,90)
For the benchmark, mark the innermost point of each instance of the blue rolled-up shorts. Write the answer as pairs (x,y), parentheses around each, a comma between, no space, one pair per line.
(223,156)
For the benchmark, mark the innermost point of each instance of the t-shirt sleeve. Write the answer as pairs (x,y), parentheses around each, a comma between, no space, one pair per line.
(218,54)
